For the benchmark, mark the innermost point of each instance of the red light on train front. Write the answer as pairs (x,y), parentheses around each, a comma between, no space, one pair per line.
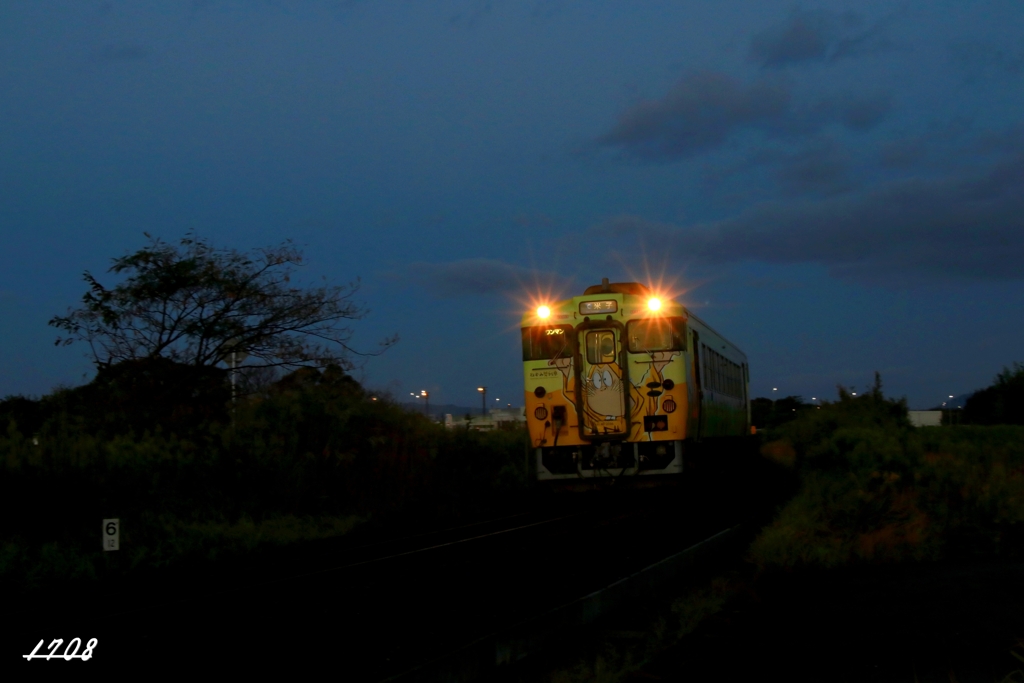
(541,413)
(669,405)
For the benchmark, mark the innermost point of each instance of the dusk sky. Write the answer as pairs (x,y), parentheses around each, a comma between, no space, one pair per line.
(836,187)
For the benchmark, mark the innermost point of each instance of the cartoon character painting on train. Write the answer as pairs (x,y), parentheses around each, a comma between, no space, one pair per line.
(604,406)
(647,394)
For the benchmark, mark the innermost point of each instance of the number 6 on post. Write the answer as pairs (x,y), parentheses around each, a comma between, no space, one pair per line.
(111,534)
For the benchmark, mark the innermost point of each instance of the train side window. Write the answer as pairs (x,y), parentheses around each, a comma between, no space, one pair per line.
(657,334)
(709,375)
(545,343)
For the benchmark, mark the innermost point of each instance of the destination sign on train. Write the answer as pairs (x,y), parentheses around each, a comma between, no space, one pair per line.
(598,307)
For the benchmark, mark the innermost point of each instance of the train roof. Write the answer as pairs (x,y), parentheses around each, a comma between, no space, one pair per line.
(618,288)
(691,316)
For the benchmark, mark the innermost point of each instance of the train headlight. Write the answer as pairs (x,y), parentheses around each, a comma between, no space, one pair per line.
(541,413)
(668,405)
(543,312)
(654,304)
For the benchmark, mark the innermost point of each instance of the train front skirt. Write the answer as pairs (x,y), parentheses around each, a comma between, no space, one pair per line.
(609,459)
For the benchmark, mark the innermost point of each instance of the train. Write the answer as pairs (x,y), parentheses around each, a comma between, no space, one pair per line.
(623,383)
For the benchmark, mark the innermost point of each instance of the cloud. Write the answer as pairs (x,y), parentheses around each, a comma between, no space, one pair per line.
(816,36)
(863,113)
(977,57)
(904,153)
(703,110)
(122,52)
(479,276)
(968,226)
(909,151)
(818,169)
(821,167)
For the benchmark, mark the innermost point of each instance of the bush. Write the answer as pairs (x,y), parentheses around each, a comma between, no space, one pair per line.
(875,489)
(1001,403)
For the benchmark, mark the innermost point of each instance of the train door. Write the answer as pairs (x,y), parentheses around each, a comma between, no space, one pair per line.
(602,402)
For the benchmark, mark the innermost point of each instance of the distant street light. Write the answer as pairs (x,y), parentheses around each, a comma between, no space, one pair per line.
(483,400)
(426,395)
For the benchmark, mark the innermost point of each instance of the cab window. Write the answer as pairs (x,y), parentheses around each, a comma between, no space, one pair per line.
(545,343)
(657,334)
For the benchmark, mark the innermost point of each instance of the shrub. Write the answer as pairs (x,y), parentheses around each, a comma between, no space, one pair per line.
(875,489)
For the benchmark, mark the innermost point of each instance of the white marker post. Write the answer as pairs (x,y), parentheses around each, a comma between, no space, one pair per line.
(112,534)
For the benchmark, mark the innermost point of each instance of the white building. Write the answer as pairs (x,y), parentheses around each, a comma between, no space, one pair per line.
(925,418)
(492,420)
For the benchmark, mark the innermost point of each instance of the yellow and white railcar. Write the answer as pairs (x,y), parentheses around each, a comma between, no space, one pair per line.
(620,381)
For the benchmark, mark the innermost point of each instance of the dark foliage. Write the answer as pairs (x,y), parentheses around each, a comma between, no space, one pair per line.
(1001,403)
(155,444)
(873,488)
(27,414)
(768,414)
(134,396)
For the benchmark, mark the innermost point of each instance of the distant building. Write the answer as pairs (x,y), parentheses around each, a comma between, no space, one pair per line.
(493,419)
(925,418)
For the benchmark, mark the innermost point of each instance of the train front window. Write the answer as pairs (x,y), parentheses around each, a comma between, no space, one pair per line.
(600,347)
(657,334)
(545,343)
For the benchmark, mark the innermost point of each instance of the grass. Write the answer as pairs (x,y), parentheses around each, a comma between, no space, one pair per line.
(166,542)
(629,642)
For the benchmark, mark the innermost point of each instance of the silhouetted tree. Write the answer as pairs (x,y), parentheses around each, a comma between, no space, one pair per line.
(196,304)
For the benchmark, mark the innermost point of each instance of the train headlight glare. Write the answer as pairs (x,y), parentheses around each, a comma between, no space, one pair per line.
(541,413)
(543,312)
(654,304)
